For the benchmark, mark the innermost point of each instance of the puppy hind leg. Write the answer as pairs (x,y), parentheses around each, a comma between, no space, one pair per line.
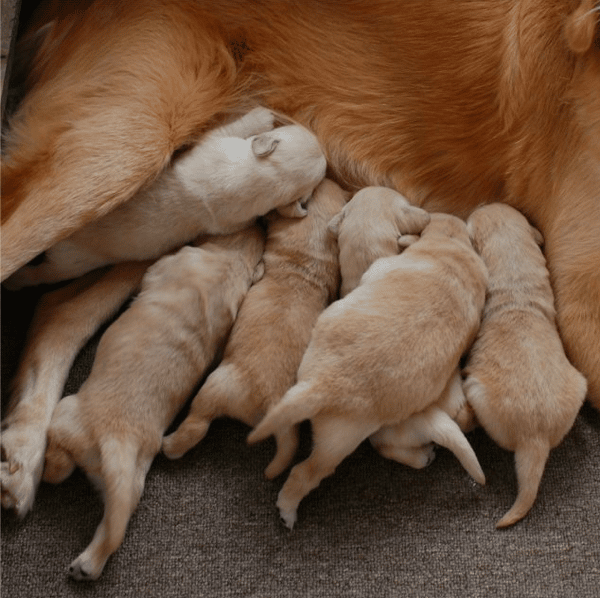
(211,401)
(123,476)
(334,439)
(287,445)
(530,461)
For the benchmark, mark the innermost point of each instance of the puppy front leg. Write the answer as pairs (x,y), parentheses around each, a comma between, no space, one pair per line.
(64,321)
(334,439)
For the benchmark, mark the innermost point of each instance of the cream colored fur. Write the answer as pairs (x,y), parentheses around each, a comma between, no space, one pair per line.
(146,365)
(369,227)
(272,329)
(521,386)
(233,175)
(383,353)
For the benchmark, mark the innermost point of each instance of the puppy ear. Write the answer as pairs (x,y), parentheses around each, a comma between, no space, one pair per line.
(293,210)
(264,145)
(412,220)
(405,241)
(335,223)
(537,236)
(580,27)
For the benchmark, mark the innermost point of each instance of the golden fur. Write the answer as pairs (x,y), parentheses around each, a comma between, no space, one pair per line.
(521,386)
(273,328)
(487,101)
(386,351)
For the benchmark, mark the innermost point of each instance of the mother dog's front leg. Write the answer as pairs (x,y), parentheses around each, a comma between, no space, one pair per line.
(572,247)
(63,322)
(107,109)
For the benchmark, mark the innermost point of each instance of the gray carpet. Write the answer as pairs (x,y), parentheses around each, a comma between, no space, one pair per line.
(207,524)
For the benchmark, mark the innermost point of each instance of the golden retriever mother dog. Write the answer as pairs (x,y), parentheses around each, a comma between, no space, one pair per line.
(451,104)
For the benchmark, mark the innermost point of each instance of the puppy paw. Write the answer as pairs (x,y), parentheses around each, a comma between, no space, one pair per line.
(21,467)
(288,518)
(81,570)
(260,120)
(287,512)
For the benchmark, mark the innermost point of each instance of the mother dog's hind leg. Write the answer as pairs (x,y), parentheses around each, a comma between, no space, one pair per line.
(119,88)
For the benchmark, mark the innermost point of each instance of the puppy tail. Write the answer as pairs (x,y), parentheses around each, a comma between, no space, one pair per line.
(530,462)
(297,404)
(221,389)
(444,431)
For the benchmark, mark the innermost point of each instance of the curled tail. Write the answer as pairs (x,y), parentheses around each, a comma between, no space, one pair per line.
(443,430)
(298,403)
(530,462)
(221,388)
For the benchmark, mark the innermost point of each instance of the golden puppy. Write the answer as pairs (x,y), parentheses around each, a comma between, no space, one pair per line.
(147,363)
(272,329)
(369,227)
(521,386)
(235,174)
(386,351)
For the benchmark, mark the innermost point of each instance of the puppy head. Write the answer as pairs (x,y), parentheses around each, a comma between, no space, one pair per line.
(490,219)
(289,164)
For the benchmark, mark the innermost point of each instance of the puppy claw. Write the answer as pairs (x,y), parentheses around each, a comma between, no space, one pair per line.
(288,518)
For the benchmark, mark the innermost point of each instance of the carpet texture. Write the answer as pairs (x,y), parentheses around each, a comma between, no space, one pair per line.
(207,525)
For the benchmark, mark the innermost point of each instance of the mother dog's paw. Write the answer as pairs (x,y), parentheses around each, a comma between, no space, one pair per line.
(21,468)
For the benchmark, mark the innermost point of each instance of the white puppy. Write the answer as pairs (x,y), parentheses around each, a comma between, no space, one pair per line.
(522,388)
(386,351)
(146,365)
(272,329)
(376,222)
(233,175)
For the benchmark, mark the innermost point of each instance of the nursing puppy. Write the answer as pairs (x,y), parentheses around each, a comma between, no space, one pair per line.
(146,364)
(369,227)
(386,351)
(522,388)
(233,175)
(272,329)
